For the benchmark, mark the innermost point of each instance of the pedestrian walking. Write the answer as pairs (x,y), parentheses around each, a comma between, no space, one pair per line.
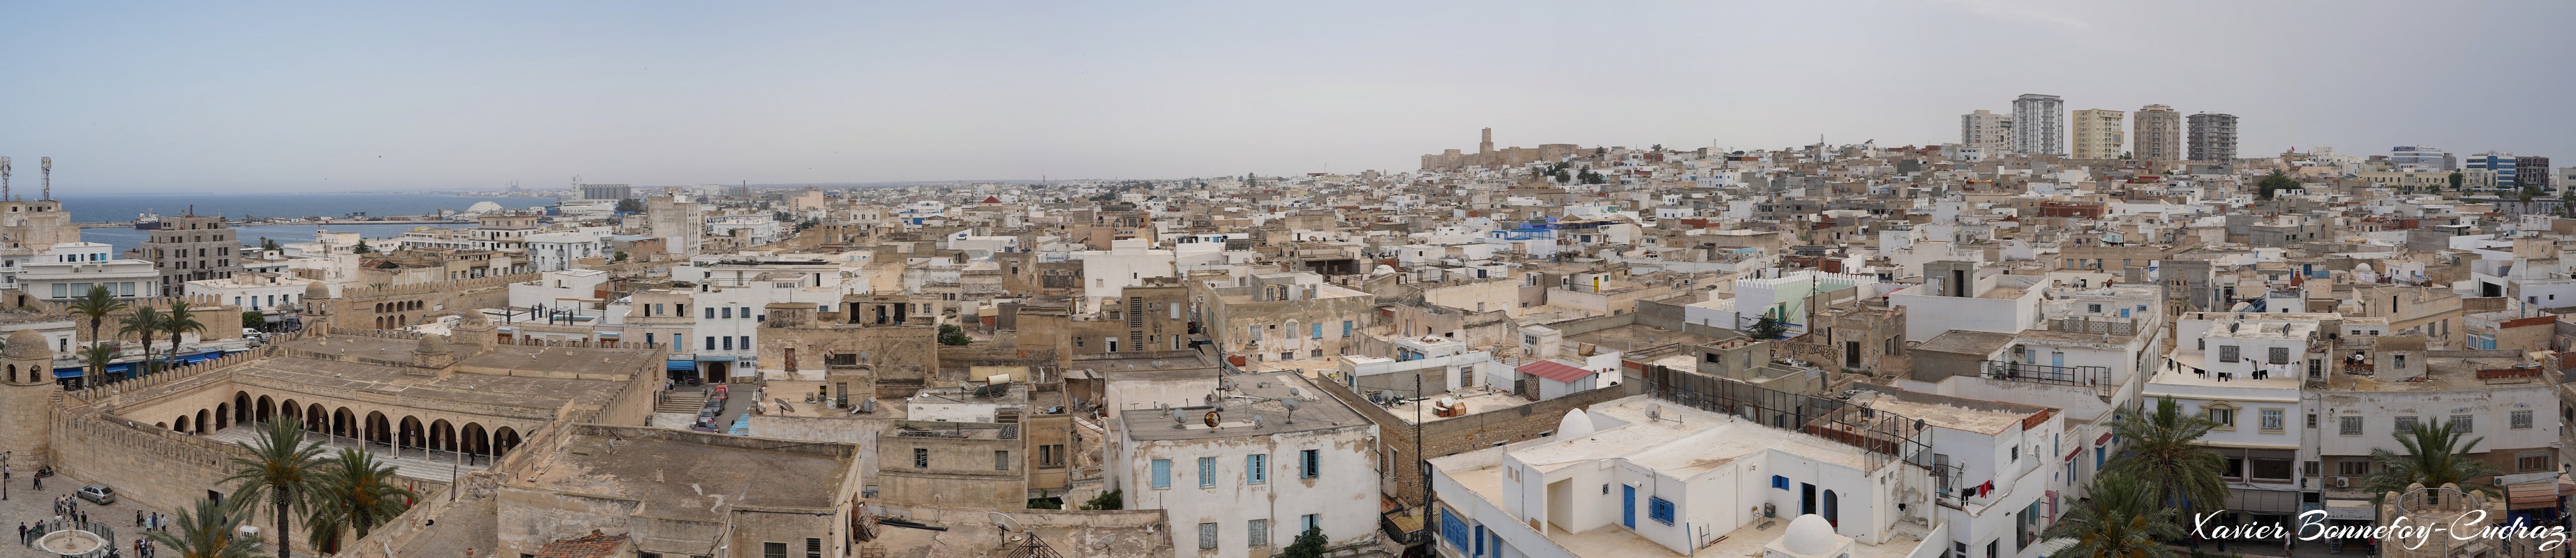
(138,518)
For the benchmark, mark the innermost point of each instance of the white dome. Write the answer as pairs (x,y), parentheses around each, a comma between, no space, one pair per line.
(1382,269)
(1809,535)
(483,207)
(1574,425)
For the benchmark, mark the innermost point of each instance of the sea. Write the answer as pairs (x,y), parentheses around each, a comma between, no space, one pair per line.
(123,208)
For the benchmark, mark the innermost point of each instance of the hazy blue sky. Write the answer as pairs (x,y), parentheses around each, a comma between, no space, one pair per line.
(342,96)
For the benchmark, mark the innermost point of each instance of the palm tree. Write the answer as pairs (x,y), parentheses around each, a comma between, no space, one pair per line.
(180,321)
(2435,456)
(358,495)
(212,530)
(2121,519)
(145,322)
(284,470)
(96,306)
(97,357)
(2165,455)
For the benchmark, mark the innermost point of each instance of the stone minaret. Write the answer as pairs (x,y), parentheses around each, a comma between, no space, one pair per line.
(1486,146)
(26,399)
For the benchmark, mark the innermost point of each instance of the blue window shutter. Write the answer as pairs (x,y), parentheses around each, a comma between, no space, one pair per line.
(1480,541)
(1779,482)
(1162,473)
(1207,472)
(1256,469)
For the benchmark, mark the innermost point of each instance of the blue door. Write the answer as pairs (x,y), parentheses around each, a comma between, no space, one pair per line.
(1628,506)
(2057,360)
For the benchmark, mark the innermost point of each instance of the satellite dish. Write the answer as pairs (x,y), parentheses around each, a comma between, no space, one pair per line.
(1180,419)
(1211,419)
(1654,411)
(1257,422)
(1005,523)
(1292,392)
(1292,405)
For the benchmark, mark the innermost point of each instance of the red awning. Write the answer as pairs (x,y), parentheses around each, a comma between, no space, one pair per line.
(1554,370)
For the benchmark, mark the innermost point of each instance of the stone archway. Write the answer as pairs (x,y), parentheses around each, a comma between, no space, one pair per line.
(223,416)
(179,424)
(265,410)
(475,440)
(202,415)
(442,436)
(410,434)
(504,439)
(344,423)
(378,429)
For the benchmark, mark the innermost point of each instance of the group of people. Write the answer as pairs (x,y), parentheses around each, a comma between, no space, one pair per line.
(151,521)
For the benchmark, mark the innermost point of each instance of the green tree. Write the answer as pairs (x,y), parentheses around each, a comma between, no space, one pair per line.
(2165,455)
(1309,544)
(180,321)
(266,244)
(2276,182)
(95,307)
(284,471)
(363,248)
(621,257)
(254,319)
(1110,500)
(358,494)
(2458,178)
(97,357)
(144,323)
(630,205)
(212,530)
(1767,328)
(2527,195)
(950,334)
(2435,455)
(2120,519)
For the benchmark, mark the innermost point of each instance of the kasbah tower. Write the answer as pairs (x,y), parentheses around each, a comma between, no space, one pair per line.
(26,399)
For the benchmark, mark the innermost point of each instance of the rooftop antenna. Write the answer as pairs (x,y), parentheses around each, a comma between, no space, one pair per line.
(47,165)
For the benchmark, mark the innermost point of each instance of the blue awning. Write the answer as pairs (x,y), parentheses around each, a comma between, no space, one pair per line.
(715,358)
(680,365)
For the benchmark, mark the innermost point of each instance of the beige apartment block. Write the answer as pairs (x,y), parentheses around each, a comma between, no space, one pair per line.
(2098,134)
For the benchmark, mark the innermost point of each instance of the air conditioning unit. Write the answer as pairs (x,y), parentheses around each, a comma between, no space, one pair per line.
(1770,510)
(2343,482)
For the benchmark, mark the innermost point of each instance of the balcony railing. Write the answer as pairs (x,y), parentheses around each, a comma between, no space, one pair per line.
(2046,374)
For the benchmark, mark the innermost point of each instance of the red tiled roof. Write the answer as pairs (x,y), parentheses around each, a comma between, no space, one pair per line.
(1553,370)
(593,545)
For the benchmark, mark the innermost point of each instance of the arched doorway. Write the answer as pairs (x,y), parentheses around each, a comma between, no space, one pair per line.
(344,423)
(504,440)
(179,424)
(265,410)
(224,415)
(1833,509)
(202,416)
(410,435)
(241,407)
(317,419)
(476,441)
(379,429)
(442,436)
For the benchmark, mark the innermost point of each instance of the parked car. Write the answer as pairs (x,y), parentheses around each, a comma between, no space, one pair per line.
(97,493)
